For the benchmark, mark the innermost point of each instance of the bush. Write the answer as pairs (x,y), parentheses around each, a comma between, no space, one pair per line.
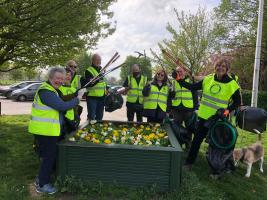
(262,98)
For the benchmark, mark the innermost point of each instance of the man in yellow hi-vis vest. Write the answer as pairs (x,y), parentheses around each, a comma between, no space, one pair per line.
(183,106)
(46,124)
(96,91)
(134,85)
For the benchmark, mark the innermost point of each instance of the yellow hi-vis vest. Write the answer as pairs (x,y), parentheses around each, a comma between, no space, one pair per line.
(182,95)
(136,89)
(44,119)
(157,97)
(99,89)
(66,90)
(75,83)
(215,95)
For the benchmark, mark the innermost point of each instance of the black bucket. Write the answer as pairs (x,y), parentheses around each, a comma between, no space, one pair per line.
(180,132)
(252,119)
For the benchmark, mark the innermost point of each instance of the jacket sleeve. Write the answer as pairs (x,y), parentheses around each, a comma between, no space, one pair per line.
(236,97)
(191,86)
(146,90)
(50,99)
(86,78)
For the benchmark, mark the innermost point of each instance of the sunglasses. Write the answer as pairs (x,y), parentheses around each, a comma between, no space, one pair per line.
(160,74)
(73,66)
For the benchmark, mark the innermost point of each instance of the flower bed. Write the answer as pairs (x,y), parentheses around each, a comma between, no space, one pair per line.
(93,154)
(132,134)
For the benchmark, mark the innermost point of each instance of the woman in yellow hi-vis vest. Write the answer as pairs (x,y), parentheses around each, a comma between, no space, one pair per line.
(46,125)
(217,89)
(156,97)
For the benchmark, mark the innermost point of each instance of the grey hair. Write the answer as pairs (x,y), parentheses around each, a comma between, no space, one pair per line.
(54,70)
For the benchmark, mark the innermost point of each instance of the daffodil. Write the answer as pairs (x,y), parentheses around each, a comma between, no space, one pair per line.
(107,141)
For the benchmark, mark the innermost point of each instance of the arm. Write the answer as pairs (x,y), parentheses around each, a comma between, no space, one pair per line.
(236,97)
(191,86)
(52,100)
(87,77)
(146,90)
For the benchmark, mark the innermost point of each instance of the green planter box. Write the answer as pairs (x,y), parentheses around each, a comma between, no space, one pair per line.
(127,165)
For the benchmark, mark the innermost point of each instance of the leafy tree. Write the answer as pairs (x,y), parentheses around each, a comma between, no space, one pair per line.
(193,42)
(83,60)
(238,24)
(144,64)
(40,33)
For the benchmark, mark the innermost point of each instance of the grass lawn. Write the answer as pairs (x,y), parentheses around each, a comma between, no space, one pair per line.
(19,166)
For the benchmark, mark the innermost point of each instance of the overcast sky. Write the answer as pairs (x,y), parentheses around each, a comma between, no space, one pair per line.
(141,24)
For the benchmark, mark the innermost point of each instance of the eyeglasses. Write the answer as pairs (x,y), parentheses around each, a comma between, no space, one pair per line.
(73,66)
(160,74)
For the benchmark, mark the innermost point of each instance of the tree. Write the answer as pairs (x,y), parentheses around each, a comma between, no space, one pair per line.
(238,23)
(144,64)
(40,33)
(83,60)
(194,41)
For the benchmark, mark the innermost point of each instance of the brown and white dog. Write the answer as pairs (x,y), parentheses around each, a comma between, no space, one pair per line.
(250,155)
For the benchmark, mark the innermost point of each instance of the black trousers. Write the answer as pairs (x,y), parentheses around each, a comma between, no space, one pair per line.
(134,109)
(154,120)
(48,154)
(199,136)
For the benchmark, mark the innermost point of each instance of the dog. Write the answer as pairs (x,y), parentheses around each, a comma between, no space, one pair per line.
(250,155)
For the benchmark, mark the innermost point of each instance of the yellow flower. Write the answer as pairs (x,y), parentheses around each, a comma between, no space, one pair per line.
(115,133)
(142,126)
(107,141)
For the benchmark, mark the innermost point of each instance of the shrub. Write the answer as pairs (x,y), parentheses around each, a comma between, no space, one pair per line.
(262,98)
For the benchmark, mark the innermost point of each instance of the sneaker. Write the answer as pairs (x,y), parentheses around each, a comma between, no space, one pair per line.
(46,189)
(36,182)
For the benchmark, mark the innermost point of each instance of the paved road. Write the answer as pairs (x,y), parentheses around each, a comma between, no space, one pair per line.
(9,107)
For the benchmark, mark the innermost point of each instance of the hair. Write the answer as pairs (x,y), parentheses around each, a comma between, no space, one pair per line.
(54,70)
(222,60)
(70,63)
(165,76)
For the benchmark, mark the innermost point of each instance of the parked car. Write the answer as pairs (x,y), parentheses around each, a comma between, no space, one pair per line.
(26,93)
(7,90)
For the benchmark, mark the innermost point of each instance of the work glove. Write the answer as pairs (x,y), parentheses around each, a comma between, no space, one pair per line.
(81,93)
(222,113)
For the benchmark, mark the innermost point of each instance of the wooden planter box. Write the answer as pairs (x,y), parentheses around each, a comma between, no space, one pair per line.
(127,165)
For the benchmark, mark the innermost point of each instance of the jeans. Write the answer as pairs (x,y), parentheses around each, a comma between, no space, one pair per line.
(132,109)
(95,108)
(48,154)
(200,135)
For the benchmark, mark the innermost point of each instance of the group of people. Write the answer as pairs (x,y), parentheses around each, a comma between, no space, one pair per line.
(154,100)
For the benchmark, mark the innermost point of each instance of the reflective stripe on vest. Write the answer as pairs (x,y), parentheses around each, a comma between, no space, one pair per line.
(215,95)
(75,83)
(66,90)
(182,95)
(136,89)
(99,89)
(157,97)
(44,119)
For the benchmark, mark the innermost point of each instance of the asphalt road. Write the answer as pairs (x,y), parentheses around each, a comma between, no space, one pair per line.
(10,107)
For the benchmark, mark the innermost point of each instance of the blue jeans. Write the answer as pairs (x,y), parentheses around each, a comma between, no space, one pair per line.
(95,108)
(48,154)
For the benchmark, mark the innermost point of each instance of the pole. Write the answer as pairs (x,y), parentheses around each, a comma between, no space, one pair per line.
(255,87)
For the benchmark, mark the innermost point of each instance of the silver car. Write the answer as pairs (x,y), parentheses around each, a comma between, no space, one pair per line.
(26,93)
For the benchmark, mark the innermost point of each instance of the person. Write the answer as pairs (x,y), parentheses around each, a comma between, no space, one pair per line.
(183,105)
(96,91)
(156,96)
(218,89)
(46,124)
(134,85)
(75,81)
(72,118)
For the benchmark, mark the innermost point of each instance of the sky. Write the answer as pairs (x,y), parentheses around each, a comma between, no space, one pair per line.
(141,24)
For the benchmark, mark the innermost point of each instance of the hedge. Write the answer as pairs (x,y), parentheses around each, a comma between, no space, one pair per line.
(262,98)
